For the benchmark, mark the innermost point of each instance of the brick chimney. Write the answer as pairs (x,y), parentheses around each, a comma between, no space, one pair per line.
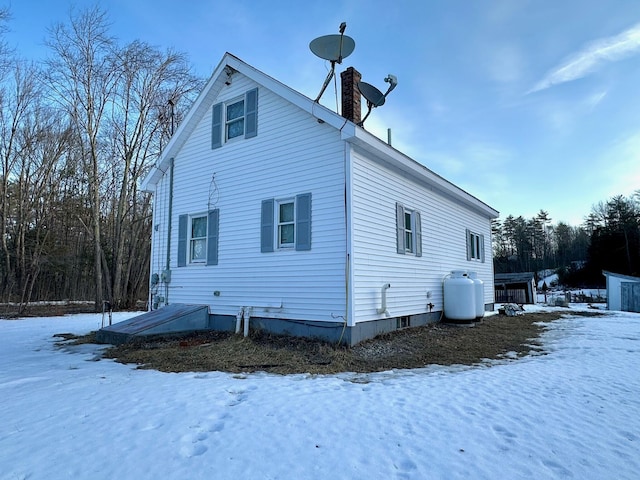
(351,99)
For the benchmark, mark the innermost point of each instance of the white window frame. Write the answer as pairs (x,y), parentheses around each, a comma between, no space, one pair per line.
(280,223)
(409,233)
(228,122)
(191,239)
(476,246)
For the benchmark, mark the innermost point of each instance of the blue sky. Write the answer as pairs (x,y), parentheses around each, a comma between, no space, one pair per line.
(526,104)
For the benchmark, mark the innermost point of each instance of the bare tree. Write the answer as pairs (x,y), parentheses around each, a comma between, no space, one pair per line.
(17,105)
(149,78)
(83,74)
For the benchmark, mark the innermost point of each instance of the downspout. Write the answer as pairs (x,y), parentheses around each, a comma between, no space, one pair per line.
(348,219)
(167,271)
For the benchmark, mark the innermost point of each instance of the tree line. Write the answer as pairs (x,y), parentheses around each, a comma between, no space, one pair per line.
(609,239)
(78,132)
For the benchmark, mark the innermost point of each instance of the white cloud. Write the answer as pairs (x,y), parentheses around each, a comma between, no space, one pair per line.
(592,57)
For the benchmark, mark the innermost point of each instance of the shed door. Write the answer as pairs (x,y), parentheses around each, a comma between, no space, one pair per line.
(630,296)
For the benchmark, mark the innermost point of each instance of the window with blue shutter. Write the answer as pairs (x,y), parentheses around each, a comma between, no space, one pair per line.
(198,237)
(286,224)
(408,231)
(235,119)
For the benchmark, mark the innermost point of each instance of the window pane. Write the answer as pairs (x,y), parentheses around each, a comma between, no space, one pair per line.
(198,249)
(235,128)
(408,241)
(235,110)
(286,233)
(407,221)
(199,227)
(286,212)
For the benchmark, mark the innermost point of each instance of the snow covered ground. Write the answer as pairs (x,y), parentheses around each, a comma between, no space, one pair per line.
(574,413)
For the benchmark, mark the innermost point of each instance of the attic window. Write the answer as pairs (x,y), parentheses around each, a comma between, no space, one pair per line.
(235,120)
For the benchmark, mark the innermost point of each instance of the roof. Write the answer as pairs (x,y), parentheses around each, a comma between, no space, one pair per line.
(520,277)
(350,132)
(619,275)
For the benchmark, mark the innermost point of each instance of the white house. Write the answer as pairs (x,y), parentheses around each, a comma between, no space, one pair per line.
(270,207)
(623,292)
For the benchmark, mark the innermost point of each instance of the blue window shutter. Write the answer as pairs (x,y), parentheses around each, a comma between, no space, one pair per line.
(183,221)
(216,126)
(418,235)
(303,221)
(266,226)
(468,244)
(400,228)
(251,113)
(482,248)
(212,236)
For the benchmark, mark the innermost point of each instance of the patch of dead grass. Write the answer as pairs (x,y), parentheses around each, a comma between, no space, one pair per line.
(495,337)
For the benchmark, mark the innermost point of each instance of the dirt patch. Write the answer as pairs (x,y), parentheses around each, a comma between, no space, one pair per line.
(496,337)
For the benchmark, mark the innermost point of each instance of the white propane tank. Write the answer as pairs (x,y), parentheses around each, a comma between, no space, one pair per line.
(479,294)
(459,296)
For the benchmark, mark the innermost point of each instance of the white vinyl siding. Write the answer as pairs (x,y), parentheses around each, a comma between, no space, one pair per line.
(415,281)
(281,162)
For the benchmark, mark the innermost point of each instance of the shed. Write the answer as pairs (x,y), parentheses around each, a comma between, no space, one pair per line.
(515,287)
(623,292)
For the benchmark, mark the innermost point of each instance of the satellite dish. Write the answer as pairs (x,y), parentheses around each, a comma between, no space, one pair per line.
(334,48)
(373,96)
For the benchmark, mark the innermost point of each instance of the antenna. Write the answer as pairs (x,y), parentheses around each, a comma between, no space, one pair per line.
(334,48)
(374,97)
